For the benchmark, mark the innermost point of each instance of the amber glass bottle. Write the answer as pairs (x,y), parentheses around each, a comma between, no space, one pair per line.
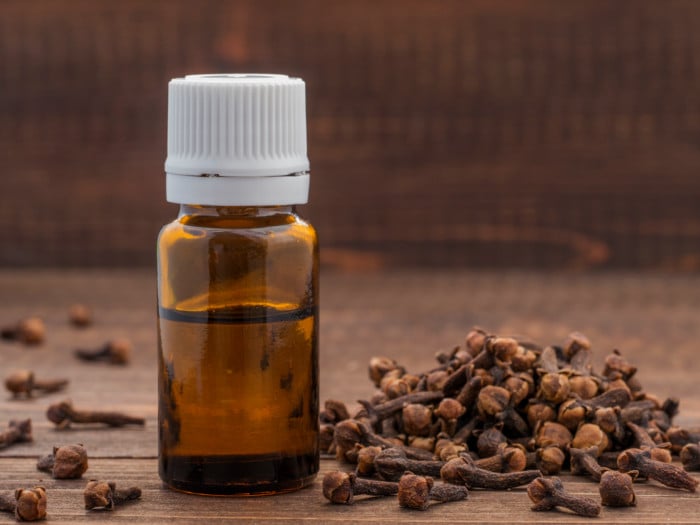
(237,292)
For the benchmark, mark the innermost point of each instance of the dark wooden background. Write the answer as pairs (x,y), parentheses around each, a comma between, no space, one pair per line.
(485,133)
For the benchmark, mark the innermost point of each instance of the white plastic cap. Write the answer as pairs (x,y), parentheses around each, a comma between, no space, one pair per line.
(237,140)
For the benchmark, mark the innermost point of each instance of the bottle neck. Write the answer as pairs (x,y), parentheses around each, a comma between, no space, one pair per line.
(234,211)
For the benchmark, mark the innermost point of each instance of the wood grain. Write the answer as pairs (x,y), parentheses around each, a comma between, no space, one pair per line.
(407,315)
(159,505)
(483,133)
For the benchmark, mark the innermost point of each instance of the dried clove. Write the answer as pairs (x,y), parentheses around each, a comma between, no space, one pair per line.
(463,471)
(417,419)
(23,382)
(571,414)
(549,493)
(665,473)
(325,438)
(449,411)
(550,433)
(644,441)
(377,413)
(690,456)
(379,366)
(574,343)
(456,380)
(116,352)
(680,437)
(584,461)
(539,412)
(342,487)
(550,460)
(29,331)
(616,488)
(365,460)
(590,435)
(66,462)
(63,414)
(616,363)
(490,440)
(584,387)
(351,432)
(506,459)
(610,422)
(26,504)
(79,315)
(467,396)
(415,492)
(392,463)
(554,387)
(16,432)
(104,494)
(334,411)
(475,341)
(446,449)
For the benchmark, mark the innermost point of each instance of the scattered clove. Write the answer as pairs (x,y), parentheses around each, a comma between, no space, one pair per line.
(415,492)
(29,331)
(549,493)
(16,432)
(104,494)
(66,462)
(23,382)
(63,414)
(342,487)
(116,352)
(462,471)
(26,504)
(665,473)
(616,488)
(79,315)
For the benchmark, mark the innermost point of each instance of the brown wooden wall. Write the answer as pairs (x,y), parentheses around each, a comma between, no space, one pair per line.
(462,133)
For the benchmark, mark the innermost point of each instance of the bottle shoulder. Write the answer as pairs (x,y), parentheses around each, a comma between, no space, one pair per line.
(268,229)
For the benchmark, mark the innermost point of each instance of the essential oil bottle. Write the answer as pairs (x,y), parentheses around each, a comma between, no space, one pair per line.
(237,290)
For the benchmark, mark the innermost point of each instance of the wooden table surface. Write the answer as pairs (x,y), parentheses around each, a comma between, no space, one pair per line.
(409,315)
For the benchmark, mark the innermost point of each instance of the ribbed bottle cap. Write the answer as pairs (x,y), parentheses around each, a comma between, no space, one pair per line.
(237,139)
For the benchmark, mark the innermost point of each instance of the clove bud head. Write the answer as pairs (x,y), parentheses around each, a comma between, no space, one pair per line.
(98,494)
(616,488)
(338,487)
(414,491)
(31,504)
(70,461)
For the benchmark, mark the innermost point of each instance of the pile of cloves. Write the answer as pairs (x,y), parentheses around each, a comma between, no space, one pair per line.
(501,412)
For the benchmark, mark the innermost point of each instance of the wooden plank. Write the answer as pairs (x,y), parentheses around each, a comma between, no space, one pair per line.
(516,131)
(160,505)
(406,315)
